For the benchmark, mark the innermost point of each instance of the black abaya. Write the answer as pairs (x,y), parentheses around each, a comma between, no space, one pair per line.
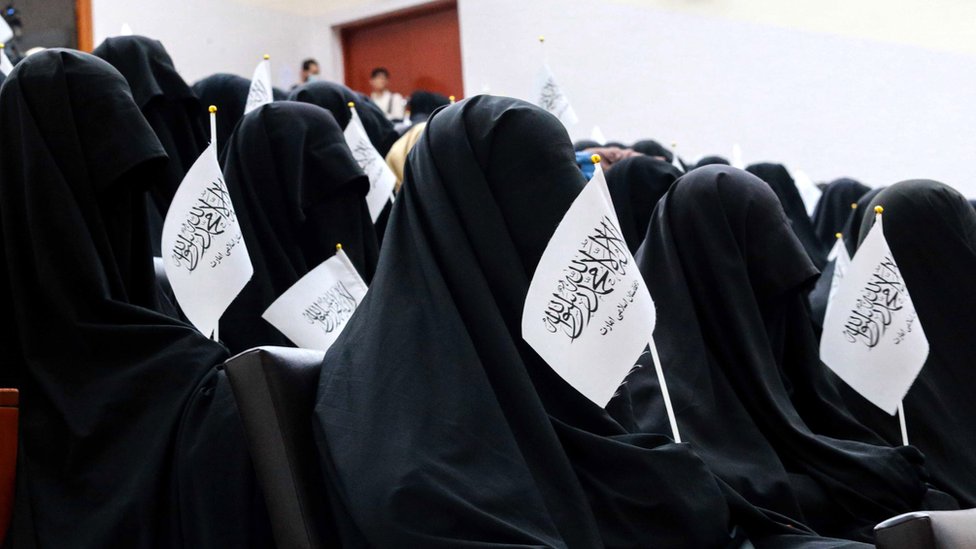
(107,381)
(297,192)
(834,208)
(438,425)
(335,98)
(780,180)
(636,184)
(227,92)
(170,107)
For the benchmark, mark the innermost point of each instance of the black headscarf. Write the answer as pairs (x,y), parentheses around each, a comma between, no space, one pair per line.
(636,184)
(107,381)
(834,212)
(931,230)
(834,208)
(783,185)
(424,103)
(335,98)
(710,160)
(297,192)
(651,147)
(852,229)
(439,425)
(720,239)
(170,107)
(584,144)
(227,92)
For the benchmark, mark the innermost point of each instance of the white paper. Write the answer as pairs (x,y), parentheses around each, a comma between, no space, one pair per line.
(261,91)
(382,180)
(588,312)
(597,135)
(126,30)
(313,312)
(872,336)
(5,65)
(550,97)
(204,253)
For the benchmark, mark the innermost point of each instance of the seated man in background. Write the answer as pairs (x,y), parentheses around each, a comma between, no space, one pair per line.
(389,102)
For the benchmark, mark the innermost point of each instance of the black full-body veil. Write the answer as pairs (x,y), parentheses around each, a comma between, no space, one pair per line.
(298,192)
(931,230)
(107,381)
(636,184)
(744,272)
(777,176)
(438,425)
(170,107)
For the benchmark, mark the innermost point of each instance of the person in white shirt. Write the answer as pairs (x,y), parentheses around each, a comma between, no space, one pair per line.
(391,103)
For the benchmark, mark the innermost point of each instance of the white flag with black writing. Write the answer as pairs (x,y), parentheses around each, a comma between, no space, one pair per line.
(315,309)
(588,313)
(550,97)
(382,180)
(261,91)
(842,262)
(204,253)
(872,337)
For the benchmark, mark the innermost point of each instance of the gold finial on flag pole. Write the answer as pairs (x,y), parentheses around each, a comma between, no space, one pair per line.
(266,57)
(351,105)
(2,45)
(338,247)
(878,210)
(595,159)
(853,205)
(213,124)
(451,98)
(542,39)
(838,235)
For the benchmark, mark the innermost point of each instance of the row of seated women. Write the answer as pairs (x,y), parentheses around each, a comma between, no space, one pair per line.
(436,425)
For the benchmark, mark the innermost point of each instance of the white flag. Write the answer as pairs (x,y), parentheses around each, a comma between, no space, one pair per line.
(872,337)
(842,262)
(737,161)
(5,65)
(6,33)
(261,91)
(315,309)
(204,253)
(676,162)
(588,312)
(597,135)
(550,97)
(382,181)
(126,30)
(809,191)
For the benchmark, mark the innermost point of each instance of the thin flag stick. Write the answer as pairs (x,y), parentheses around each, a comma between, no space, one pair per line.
(901,423)
(213,125)
(545,53)
(664,391)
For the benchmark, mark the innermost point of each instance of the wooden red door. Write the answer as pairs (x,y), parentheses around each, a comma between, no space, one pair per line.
(421,47)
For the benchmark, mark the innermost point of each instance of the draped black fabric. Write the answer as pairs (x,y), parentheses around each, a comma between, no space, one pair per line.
(227,92)
(297,192)
(584,144)
(335,98)
(170,107)
(711,160)
(743,269)
(651,147)
(777,176)
(636,184)
(423,103)
(833,213)
(931,230)
(834,208)
(106,379)
(438,425)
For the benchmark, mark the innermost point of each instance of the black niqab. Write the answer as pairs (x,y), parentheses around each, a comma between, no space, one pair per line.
(636,184)
(297,192)
(745,271)
(777,176)
(834,208)
(170,107)
(651,147)
(439,425)
(423,103)
(227,92)
(335,98)
(107,381)
(712,160)
(931,230)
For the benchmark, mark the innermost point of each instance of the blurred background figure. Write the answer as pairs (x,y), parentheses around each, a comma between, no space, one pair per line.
(310,72)
(390,102)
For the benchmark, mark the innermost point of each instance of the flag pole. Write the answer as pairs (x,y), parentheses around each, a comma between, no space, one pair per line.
(664,391)
(213,125)
(545,53)
(901,423)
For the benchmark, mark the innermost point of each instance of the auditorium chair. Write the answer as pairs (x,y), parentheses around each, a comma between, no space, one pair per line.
(928,530)
(8,456)
(275,392)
